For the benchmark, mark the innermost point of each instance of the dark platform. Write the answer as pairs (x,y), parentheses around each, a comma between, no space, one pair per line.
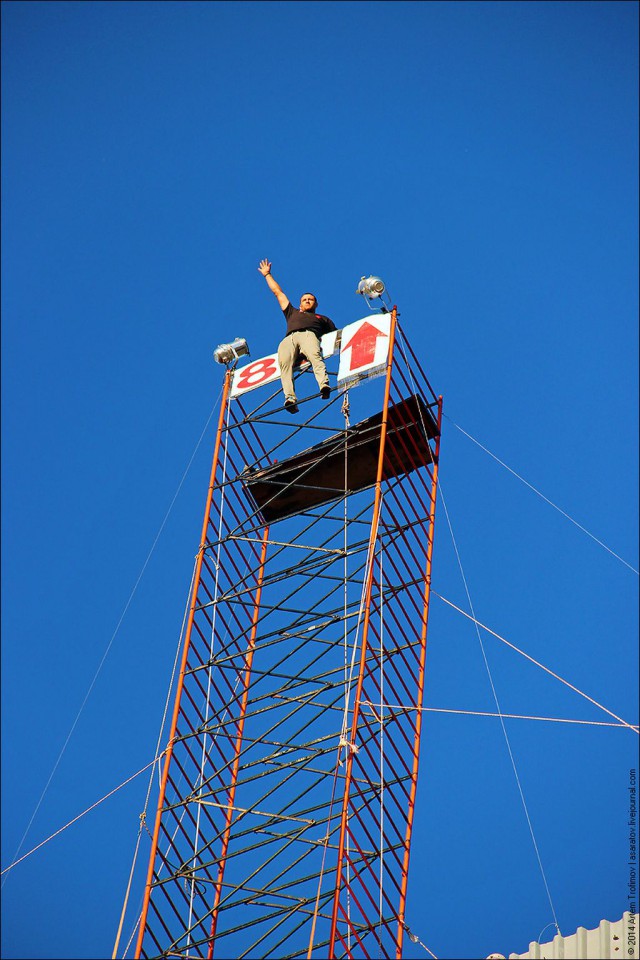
(317,475)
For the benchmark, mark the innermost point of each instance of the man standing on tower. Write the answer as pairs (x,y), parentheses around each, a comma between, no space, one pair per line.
(304,329)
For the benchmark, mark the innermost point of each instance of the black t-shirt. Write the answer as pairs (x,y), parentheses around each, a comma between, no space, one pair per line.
(301,320)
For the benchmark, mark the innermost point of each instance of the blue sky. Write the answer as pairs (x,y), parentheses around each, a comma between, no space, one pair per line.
(481,157)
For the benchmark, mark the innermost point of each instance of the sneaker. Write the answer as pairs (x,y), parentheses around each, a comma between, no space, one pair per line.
(325,392)
(291,404)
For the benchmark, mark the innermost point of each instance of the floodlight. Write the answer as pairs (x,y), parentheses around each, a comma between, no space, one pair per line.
(371,287)
(227,352)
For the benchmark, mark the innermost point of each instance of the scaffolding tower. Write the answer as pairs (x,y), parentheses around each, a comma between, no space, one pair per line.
(288,787)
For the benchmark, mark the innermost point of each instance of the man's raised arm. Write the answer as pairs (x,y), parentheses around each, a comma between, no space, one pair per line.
(265,269)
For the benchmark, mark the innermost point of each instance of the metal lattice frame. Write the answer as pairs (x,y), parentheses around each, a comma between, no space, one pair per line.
(288,788)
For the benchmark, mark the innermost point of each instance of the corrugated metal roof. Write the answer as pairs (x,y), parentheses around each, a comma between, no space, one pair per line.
(610,941)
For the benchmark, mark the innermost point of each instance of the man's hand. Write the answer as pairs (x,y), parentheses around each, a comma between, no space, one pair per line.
(265,269)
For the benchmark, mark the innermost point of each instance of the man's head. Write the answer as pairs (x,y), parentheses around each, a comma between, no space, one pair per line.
(308,303)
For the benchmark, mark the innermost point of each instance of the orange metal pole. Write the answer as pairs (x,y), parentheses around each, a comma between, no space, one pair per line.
(238,747)
(183,666)
(418,731)
(365,632)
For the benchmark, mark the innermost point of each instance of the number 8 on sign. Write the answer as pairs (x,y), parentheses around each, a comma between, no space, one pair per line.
(255,374)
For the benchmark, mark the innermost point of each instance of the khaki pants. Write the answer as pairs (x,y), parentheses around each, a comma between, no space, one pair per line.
(303,341)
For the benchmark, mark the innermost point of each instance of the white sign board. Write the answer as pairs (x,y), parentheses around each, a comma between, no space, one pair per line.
(364,349)
(267,369)
(255,374)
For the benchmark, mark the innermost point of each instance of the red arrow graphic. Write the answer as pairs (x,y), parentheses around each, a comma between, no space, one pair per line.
(363,345)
